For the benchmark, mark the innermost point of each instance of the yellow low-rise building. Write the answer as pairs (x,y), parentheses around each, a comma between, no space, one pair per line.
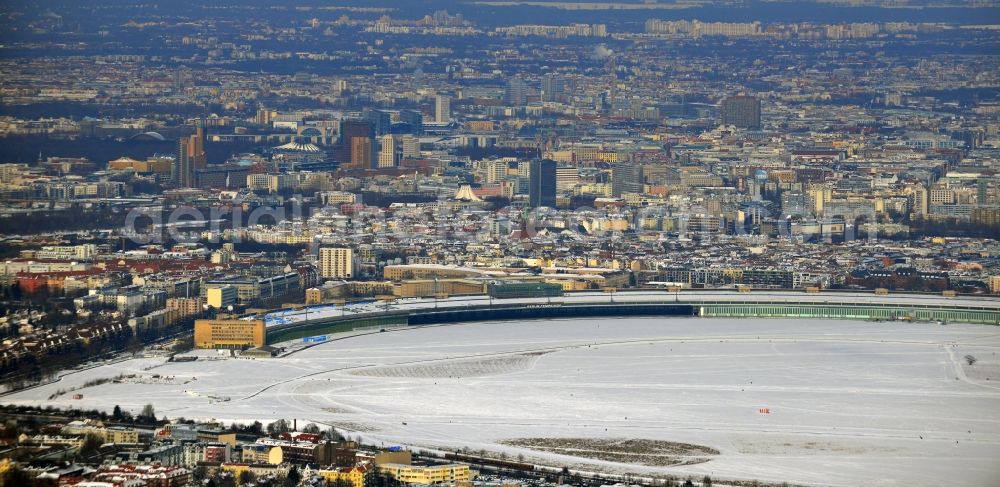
(480,125)
(121,435)
(107,435)
(356,476)
(221,297)
(571,284)
(331,291)
(262,454)
(218,437)
(609,156)
(435,474)
(399,272)
(151,165)
(416,288)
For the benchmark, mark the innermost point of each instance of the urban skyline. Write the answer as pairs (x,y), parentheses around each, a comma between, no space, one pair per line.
(482,244)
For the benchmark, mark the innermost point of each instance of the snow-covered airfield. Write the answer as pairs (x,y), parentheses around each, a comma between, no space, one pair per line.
(850,403)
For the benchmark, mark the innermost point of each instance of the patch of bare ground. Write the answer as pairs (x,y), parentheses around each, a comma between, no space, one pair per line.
(639,478)
(337,410)
(806,448)
(651,453)
(469,367)
(356,427)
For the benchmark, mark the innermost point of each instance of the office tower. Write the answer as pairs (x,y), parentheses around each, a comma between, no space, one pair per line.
(553,87)
(982,191)
(361,152)
(179,79)
(442,109)
(516,93)
(942,194)
(411,146)
(741,111)
(355,128)
(542,183)
(567,178)
(626,178)
(190,157)
(183,172)
(414,119)
(794,203)
(523,169)
(381,122)
(819,195)
(336,263)
(494,171)
(388,154)
(350,129)
(920,201)
(196,147)
(264,116)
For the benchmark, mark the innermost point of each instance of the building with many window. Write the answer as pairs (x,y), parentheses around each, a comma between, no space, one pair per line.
(354,476)
(626,178)
(741,111)
(336,263)
(388,155)
(426,475)
(190,157)
(228,333)
(542,183)
(442,109)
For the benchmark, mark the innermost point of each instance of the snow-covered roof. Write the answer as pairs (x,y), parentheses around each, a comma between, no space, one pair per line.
(298,147)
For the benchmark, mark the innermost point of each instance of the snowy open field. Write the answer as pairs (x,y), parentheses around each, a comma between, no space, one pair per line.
(851,403)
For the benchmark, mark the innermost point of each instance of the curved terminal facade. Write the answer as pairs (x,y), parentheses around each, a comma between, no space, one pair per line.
(298,323)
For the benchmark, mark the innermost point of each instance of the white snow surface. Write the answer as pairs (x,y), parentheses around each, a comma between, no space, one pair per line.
(851,403)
